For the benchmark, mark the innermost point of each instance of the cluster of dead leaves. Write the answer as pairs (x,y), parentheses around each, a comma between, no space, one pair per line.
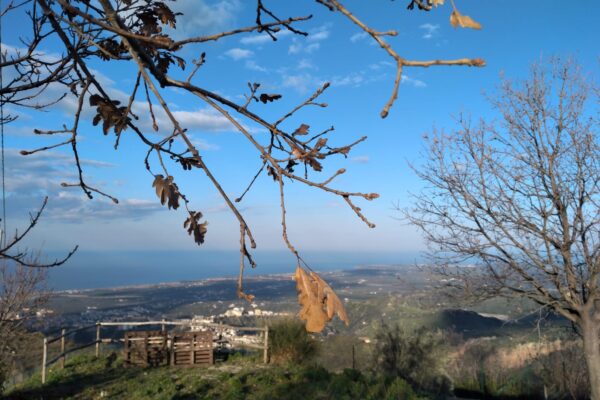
(195,227)
(110,114)
(149,20)
(167,191)
(309,157)
(152,16)
(318,300)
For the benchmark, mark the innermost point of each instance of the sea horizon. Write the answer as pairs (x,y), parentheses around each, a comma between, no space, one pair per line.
(101,269)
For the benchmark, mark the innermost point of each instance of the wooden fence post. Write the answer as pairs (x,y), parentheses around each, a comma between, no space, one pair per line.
(97,339)
(62,348)
(266,346)
(44,359)
(163,328)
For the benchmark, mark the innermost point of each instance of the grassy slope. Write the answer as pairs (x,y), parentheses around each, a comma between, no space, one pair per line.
(88,378)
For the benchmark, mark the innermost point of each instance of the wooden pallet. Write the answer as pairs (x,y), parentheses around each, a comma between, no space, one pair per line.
(192,349)
(146,348)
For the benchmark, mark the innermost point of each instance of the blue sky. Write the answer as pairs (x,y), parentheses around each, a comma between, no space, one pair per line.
(514,34)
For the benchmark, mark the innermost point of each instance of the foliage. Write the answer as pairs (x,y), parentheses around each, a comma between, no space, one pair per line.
(413,356)
(290,343)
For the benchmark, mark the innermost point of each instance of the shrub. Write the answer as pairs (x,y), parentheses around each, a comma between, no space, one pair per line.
(290,343)
(416,357)
(563,371)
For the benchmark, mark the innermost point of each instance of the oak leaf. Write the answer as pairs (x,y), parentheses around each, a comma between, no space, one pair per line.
(167,191)
(195,227)
(302,130)
(464,21)
(318,300)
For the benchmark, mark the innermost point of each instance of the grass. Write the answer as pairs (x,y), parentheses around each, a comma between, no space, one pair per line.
(86,377)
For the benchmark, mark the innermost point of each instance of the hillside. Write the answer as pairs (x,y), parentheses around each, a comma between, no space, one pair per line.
(85,377)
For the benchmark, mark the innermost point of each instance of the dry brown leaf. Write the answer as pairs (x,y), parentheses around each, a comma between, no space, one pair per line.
(195,227)
(333,303)
(464,21)
(312,309)
(166,190)
(436,3)
(318,300)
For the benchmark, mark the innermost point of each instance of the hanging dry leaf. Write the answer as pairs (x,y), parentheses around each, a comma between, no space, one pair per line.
(318,300)
(264,97)
(436,3)
(109,114)
(464,21)
(167,191)
(193,226)
(302,130)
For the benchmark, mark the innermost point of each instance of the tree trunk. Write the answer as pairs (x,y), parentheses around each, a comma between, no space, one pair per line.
(591,349)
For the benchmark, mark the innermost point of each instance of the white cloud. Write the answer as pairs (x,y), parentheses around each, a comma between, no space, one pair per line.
(298,47)
(203,119)
(358,36)
(360,159)
(201,17)
(320,35)
(30,178)
(202,144)
(311,44)
(263,38)
(305,64)
(302,83)
(252,65)
(412,81)
(238,54)
(353,79)
(431,30)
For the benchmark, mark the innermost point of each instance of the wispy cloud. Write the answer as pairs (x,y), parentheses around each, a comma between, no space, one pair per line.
(239,54)
(203,119)
(202,17)
(30,178)
(302,83)
(254,66)
(358,37)
(263,38)
(305,64)
(353,79)
(413,82)
(360,159)
(298,47)
(312,42)
(431,30)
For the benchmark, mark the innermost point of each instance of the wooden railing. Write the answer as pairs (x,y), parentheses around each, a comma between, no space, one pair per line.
(163,324)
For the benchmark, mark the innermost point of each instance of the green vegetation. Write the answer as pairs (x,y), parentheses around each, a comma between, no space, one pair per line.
(416,357)
(290,343)
(88,378)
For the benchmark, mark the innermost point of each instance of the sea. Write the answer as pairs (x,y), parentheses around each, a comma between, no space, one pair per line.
(103,269)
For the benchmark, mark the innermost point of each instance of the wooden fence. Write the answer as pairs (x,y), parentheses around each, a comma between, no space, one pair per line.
(181,342)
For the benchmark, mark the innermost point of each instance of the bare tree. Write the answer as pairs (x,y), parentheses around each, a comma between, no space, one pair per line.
(127,31)
(22,293)
(519,200)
